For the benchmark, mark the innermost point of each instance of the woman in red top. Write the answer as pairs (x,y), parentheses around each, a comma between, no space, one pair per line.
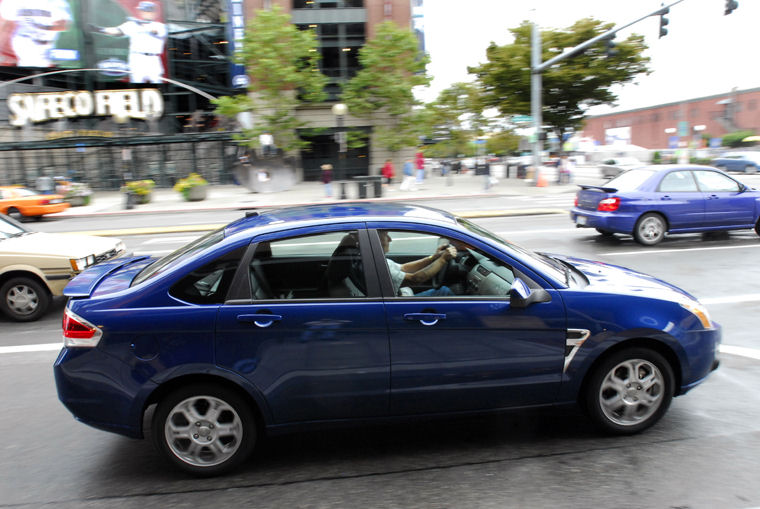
(387,171)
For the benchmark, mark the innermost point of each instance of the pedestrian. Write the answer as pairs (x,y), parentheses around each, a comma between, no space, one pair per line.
(408,182)
(327,170)
(147,37)
(387,172)
(420,163)
(565,169)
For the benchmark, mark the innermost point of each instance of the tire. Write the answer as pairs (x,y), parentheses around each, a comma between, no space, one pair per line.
(604,233)
(629,391)
(757,226)
(23,299)
(15,213)
(650,229)
(750,169)
(218,436)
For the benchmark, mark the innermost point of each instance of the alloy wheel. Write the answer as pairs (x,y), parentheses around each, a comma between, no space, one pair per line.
(632,392)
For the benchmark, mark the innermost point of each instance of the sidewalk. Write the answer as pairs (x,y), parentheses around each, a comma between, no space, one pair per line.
(232,197)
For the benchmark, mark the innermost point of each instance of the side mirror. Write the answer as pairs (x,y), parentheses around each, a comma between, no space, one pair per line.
(521,296)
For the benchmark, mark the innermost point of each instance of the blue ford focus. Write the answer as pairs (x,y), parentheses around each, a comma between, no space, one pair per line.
(361,312)
(653,201)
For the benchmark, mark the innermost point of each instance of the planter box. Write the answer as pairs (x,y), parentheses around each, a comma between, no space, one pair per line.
(196,193)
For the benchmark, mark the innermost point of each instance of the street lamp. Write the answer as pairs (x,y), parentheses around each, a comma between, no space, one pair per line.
(340,110)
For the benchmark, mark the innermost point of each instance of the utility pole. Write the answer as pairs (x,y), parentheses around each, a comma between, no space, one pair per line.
(536,68)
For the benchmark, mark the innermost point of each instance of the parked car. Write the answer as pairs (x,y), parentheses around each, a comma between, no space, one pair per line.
(747,162)
(36,266)
(20,202)
(653,201)
(613,167)
(288,319)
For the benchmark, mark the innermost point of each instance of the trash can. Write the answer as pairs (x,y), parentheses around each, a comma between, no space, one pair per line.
(377,186)
(130,200)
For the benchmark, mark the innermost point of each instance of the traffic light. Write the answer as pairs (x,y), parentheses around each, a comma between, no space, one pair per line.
(730,6)
(664,22)
(610,50)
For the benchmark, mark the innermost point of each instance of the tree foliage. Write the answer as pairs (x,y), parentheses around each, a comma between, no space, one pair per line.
(282,64)
(454,120)
(734,139)
(569,87)
(392,66)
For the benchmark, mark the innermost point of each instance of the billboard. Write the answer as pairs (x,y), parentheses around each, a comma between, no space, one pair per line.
(129,39)
(40,33)
(235,34)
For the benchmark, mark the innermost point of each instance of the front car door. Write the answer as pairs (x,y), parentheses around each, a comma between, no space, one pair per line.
(681,200)
(470,350)
(309,332)
(726,204)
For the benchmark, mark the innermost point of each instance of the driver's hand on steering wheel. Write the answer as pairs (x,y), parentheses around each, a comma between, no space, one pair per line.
(448,253)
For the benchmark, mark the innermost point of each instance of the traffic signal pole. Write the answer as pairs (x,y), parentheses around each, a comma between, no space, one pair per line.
(537,67)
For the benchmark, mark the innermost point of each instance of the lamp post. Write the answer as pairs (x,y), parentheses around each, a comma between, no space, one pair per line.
(340,110)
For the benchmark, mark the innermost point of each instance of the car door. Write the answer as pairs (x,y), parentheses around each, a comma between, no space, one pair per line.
(309,331)
(726,203)
(681,200)
(471,350)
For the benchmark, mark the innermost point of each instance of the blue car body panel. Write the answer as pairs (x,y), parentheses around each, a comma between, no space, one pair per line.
(339,359)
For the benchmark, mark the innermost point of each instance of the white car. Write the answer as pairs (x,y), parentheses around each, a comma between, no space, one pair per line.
(617,165)
(36,266)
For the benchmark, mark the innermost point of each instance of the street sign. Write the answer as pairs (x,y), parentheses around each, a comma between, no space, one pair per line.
(683,128)
(517,119)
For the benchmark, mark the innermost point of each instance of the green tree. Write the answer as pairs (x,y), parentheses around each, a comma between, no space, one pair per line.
(734,139)
(571,86)
(503,142)
(282,63)
(454,120)
(392,66)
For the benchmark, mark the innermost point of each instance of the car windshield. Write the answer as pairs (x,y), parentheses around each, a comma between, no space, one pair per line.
(10,228)
(548,265)
(180,254)
(630,180)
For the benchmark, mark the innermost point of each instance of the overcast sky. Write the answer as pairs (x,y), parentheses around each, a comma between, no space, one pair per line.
(704,53)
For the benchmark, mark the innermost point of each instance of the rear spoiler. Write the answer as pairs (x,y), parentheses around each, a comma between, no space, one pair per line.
(83,284)
(598,188)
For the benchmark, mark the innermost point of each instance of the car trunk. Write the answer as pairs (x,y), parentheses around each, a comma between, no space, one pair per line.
(590,196)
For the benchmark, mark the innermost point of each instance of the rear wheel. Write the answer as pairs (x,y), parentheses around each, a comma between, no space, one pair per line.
(757,227)
(750,168)
(629,391)
(23,299)
(650,229)
(15,213)
(204,429)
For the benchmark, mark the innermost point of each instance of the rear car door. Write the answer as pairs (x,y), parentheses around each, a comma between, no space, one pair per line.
(470,350)
(306,326)
(726,203)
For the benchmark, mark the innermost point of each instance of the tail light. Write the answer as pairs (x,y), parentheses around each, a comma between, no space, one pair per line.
(608,205)
(44,202)
(78,332)
(575,203)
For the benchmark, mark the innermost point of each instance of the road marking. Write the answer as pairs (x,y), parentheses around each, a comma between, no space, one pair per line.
(661,251)
(170,240)
(752,353)
(735,299)
(515,233)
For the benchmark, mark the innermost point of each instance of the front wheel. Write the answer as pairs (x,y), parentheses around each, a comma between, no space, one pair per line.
(14,213)
(23,299)
(204,429)
(629,391)
(650,229)
(757,226)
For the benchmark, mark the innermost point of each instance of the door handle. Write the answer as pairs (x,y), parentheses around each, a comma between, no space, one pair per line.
(425,318)
(262,320)
(666,197)
(713,197)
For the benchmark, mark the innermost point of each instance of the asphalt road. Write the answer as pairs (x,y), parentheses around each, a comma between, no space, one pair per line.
(703,454)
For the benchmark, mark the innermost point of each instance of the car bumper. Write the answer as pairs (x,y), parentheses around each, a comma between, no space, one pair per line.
(702,356)
(617,222)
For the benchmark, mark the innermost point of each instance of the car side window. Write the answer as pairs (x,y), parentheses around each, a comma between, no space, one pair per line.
(678,182)
(326,265)
(713,182)
(414,271)
(210,283)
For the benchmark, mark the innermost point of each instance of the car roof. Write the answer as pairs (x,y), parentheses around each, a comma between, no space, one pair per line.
(340,213)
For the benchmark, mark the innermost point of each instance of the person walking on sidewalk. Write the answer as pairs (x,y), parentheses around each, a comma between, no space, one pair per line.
(327,179)
(565,169)
(387,172)
(407,183)
(420,163)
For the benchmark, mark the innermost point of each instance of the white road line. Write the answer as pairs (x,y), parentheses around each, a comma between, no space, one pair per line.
(170,240)
(752,353)
(686,250)
(515,233)
(735,299)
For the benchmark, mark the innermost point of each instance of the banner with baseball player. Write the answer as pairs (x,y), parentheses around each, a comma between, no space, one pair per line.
(40,33)
(129,39)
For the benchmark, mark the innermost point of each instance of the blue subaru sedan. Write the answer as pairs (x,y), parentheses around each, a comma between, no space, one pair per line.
(653,201)
(365,312)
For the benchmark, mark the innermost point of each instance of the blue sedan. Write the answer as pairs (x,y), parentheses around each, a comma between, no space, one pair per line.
(365,312)
(747,162)
(653,201)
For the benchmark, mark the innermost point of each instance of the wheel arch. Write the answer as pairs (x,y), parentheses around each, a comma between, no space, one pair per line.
(658,346)
(25,272)
(170,386)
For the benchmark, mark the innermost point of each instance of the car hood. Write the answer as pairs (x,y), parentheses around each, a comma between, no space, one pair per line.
(607,278)
(57,244)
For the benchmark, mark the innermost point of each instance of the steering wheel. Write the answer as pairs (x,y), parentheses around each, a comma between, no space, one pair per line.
(440,277)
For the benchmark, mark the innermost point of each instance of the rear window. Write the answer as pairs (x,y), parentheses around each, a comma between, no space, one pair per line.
(630,180)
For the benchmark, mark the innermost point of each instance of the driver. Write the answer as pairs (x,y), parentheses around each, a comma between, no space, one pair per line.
(418,271)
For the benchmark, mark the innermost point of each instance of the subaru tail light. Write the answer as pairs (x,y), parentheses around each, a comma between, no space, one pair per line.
(608,205)
(78,332)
